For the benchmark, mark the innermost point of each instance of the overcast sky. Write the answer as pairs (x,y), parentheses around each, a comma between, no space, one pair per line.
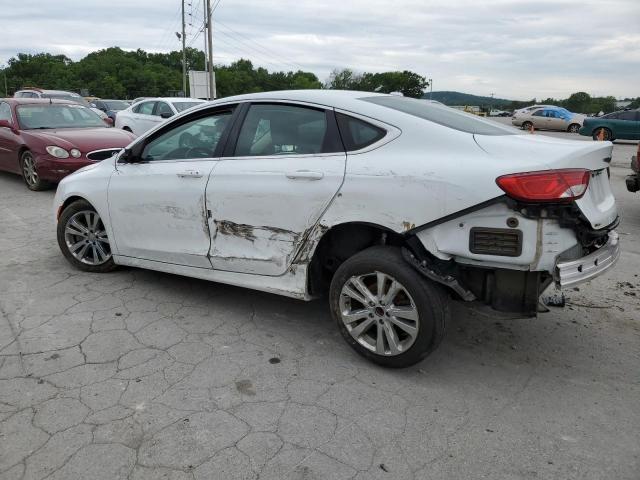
(517,49)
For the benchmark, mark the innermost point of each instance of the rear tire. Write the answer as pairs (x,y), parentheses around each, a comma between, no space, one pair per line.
(573,128)
(82,238)
(527,125)
(30,173)
(400,317)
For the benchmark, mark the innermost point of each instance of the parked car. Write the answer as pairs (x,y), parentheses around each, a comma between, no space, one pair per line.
(623,125)
(45,140)
(633,180)
(148,113)
(110,107)
(33,92)
(499,113)
(549,118)
(390,204)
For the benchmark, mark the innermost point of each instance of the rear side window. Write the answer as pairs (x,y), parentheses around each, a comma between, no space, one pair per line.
(5,112)
(629,115)
(357,134)
(273,129)
(445,116)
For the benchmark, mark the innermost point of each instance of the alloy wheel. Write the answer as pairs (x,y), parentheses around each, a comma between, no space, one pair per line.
(29,169)
(86,238)
(379,313)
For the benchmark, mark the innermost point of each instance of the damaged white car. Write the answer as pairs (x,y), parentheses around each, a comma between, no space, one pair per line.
(393,206)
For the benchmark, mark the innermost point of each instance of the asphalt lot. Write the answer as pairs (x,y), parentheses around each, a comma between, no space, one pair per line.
(144,375)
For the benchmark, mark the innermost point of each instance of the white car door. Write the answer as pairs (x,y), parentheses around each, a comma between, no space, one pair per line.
(273,185)
(157,198)
(143,118)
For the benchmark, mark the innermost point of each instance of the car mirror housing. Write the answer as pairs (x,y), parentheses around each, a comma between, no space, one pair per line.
(9,125)
(166,115)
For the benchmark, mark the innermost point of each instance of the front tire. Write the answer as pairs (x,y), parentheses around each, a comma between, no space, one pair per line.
(83,240)
(385,310)
(30,173)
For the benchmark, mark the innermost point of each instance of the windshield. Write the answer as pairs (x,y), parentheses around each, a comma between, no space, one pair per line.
(182,106)
(448,117)
(116,104)
(57,116)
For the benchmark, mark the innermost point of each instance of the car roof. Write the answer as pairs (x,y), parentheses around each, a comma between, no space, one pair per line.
(37,101)
(52,92)
(172,99)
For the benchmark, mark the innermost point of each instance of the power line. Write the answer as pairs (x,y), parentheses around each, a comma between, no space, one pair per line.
(257,48)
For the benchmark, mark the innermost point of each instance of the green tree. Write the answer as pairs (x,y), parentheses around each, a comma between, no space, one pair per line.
(578,102)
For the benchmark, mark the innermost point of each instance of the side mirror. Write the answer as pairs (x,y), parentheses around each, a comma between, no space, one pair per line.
(131,155)
(108,121)
(166,115)
(9,125)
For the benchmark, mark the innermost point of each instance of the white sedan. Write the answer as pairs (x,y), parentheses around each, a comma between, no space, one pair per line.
(150,112)
(393,206)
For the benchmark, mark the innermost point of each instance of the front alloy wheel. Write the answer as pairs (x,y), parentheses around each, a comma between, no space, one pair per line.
(30,173)
(83,239)
(386,310)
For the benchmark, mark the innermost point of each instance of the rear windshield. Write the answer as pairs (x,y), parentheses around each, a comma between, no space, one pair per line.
(116,104)
(181,106)
(442,115)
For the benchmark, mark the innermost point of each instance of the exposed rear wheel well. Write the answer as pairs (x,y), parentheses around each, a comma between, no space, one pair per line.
(341,242)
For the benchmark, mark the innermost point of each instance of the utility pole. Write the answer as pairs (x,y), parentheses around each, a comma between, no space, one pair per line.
(206,55)
(184,56)
(212,84)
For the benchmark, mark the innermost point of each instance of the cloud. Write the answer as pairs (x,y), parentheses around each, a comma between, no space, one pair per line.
(513,48)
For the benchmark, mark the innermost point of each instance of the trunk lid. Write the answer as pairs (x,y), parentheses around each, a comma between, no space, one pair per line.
(598,203)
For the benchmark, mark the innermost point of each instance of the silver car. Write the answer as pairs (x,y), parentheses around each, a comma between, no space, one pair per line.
(548,118)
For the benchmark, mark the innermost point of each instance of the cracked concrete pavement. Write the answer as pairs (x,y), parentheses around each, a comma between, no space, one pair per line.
(143,375)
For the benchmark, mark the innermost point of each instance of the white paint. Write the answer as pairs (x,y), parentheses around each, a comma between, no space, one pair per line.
(418,174)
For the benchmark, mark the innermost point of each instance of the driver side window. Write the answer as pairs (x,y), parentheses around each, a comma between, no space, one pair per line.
(5,112)
(195,139)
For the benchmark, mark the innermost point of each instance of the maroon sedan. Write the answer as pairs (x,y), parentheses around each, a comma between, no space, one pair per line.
(45,140)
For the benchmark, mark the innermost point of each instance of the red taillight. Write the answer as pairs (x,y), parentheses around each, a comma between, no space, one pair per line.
(546,186)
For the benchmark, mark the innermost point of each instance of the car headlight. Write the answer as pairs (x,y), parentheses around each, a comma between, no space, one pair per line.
(75,153)
(57,152)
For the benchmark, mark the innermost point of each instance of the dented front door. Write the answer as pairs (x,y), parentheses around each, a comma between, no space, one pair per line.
(158,213)
(285,170)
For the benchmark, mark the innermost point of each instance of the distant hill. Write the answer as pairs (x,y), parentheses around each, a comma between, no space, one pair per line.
(459,98)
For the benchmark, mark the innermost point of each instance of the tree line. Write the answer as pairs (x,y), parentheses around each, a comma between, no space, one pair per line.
(116,73)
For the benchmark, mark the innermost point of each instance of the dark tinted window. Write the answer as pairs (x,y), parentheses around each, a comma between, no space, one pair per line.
(115,104)
(630,115)
(539,113)
(356,133)
(163,107)
(448,117)
(272,129)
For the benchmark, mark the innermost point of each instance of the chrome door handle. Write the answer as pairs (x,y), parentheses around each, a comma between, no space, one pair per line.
(190,174)
(305,175)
